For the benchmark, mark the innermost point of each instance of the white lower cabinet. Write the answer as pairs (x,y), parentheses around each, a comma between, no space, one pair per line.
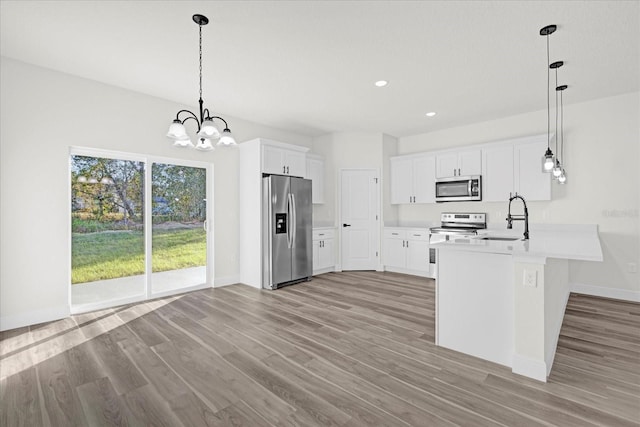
(324,258)
(406,250)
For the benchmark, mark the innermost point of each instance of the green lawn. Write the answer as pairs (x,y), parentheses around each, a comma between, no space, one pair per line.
(109,255)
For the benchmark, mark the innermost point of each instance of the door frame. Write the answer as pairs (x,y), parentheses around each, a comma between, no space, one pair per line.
(148,161)
(377,229)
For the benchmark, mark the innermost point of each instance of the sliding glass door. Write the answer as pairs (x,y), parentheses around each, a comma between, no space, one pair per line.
(138,228)
(107,229)
(179,236)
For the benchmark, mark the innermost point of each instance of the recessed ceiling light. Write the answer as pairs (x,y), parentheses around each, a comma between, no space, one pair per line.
(431,114)
(381,83)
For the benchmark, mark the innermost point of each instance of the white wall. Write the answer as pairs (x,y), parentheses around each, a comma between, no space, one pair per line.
(43,113)
(344,150)
(602,163)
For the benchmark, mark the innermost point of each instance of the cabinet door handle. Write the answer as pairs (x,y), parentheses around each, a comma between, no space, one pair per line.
(407,243)
(284,169)
(403,243)
(459,172)
(394,234)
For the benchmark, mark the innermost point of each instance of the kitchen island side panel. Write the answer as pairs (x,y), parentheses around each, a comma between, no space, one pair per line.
(475,304)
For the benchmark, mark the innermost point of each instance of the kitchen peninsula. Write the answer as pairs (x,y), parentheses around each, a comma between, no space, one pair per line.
(502,298)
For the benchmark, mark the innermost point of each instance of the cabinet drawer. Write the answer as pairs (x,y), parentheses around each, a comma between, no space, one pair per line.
(323,234)
(417,235)
(394,233)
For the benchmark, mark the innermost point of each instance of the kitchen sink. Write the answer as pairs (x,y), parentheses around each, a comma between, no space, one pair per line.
(506,239)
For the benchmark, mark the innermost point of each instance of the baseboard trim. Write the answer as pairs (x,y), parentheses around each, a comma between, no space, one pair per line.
(324,270)
(34,317)
(407,271)
(219,282)
(536,369)
(601,291)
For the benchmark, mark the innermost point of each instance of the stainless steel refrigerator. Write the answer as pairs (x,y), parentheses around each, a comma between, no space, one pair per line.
(287,220)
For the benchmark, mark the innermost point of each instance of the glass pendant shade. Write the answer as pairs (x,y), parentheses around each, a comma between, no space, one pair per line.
(204,144)
(183,143)
(227,138)
(177,131)
(557,169)
(209,130)
(547,161)
(562,178)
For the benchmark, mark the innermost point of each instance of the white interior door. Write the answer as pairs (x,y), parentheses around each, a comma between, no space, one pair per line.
(359,219)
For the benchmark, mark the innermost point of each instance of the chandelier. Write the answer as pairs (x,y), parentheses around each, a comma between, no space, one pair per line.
(207,129)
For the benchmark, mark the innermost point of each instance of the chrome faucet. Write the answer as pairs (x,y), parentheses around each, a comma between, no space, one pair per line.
(525,217)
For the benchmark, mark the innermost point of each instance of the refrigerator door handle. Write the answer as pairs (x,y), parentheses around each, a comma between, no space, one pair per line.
(289,221)
(294,220)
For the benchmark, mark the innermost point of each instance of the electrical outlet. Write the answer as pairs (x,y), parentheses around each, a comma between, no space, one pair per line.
(530,278)
(632,267)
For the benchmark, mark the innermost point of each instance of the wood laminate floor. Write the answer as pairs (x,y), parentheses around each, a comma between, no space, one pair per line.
(346,349)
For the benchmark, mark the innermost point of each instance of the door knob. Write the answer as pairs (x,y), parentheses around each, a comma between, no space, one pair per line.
(346,225)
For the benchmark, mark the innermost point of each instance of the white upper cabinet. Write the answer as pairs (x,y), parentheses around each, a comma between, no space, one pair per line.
(497,179)
(413,179)
(424,179)
(315,172)
(515,167)
(283,161)
(529,179)
(401,180)
(459,163)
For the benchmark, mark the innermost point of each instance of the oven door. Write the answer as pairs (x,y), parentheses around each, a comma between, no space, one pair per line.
(459,189)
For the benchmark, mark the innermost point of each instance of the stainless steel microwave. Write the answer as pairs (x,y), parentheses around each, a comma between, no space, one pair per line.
(459,189)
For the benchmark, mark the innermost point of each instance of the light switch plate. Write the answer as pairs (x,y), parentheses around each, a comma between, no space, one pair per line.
(530,278)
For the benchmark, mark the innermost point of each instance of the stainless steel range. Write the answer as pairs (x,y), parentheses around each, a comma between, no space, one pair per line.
(456,224)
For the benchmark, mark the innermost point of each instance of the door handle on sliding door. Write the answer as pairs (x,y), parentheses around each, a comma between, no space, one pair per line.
(346,225)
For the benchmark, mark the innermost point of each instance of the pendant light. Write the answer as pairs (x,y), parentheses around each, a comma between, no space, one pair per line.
(548,160)
(562,178)
(207,129)
(557,167)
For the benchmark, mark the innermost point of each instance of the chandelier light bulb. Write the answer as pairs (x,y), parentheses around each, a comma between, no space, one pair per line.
(183,143)
(557,169)
(204,144)
(177,130)
(209,130)
(227,138)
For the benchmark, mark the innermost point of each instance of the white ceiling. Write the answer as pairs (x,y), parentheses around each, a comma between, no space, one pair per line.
(309,66)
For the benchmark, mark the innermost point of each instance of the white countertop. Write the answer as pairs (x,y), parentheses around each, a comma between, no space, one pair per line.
(563,242)
(324,227)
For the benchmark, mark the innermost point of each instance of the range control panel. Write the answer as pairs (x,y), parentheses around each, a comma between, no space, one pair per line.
(463,218)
